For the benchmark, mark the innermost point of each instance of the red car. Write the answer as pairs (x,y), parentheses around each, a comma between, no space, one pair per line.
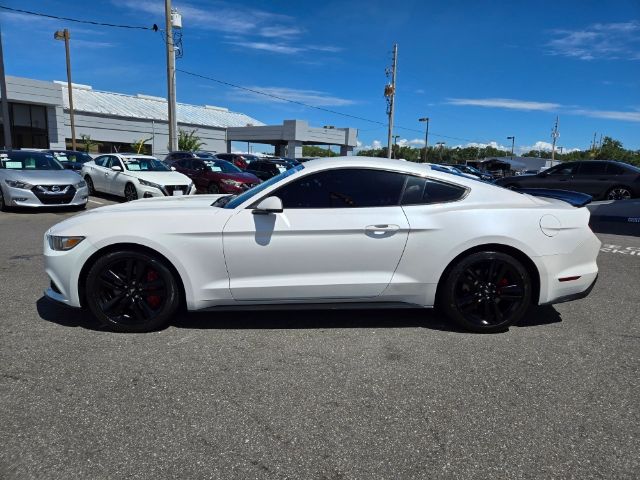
(216,176)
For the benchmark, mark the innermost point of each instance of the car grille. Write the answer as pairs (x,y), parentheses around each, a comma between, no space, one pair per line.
(54,194)
(169,189)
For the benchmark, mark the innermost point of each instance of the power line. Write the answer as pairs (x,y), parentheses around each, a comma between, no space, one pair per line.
(327,110)
(90,22)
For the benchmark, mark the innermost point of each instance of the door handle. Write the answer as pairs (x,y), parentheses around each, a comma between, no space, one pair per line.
(382,228)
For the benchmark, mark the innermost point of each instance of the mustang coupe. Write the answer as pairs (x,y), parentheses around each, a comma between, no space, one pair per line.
(355,230)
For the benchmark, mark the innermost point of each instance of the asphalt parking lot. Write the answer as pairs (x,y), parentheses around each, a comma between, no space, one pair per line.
(317,394)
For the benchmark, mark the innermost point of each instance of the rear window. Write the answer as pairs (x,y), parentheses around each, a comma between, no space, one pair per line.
(424,191)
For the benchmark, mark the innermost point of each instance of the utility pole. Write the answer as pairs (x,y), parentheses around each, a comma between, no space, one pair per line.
(171,76)
(554,136)
(390,93)
(395,144)
(6,122)
(513,142)
(426,136)
(65,35)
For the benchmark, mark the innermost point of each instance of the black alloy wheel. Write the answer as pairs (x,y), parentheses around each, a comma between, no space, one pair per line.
(3,206)
(487,292)
(130,192)
(619,193)
(90,186)
(132,291)
(213,189)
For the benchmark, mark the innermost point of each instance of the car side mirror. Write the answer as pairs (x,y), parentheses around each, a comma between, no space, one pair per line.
(268,205)
(116,168)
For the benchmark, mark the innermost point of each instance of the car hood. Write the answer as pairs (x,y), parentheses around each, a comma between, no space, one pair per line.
(42,177)
(161,178)
(148,217)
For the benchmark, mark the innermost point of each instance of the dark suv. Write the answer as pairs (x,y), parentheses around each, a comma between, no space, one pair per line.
(602,179)
(265,169)
(240,160)
(215,176)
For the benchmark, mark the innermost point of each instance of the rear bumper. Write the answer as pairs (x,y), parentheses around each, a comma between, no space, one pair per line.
(573,296)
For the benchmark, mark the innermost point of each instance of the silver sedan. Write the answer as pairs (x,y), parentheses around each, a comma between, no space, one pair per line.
(37,179)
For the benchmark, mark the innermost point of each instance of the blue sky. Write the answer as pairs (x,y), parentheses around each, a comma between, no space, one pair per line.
(481,71)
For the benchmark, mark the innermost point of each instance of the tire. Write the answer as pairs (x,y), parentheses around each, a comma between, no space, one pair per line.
(90,187)
(486,292)
(3,206)
(131,291)
(130,192)
(618,192)
(213,189)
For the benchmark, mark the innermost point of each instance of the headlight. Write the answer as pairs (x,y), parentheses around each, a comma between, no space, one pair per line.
(63,243)
(234,183)
(19,184)
(149,184)
(81,184)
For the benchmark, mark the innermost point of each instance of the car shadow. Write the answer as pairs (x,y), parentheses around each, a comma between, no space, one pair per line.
(294,319)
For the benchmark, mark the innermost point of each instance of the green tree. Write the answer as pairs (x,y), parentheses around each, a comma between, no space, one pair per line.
(88,143)
(315,151)
(140,144)
(189,141)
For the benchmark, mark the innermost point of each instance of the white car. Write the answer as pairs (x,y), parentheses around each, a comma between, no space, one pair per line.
(134,176)
(333,231)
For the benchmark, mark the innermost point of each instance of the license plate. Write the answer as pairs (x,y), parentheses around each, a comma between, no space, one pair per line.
(177,193)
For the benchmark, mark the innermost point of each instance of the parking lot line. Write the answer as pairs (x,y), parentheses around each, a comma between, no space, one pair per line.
(95,201)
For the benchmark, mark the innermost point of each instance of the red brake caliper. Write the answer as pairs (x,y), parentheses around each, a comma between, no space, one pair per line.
(502,283)
(153,300)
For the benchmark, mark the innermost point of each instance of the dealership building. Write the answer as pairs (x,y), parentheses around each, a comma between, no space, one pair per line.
(39,116)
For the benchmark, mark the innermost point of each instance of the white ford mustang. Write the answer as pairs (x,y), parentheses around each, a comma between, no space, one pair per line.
(345,230)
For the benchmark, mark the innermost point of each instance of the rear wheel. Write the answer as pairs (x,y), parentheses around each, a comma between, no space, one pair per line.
(619,193)
(487,292)
(213,188)
(130,192)
(132,291)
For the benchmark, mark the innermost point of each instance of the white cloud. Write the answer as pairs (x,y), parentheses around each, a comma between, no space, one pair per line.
(609,41)
(269,47)
(403,142)
(315,98)
(509,103)
(280,32)
(91,44)
(495,145)
(526,105)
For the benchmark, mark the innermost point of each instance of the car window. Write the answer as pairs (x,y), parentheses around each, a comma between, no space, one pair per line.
(145,164)
(423,191)
(343,188)
(568,169)
(592,168)
(221,166)
(254,191)
(613,169)
(185,163)
(101,161)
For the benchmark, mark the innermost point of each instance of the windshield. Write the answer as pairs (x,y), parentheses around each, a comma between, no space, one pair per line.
(221,166)
(29,161)
(69,156)
(145,164)
(240,199)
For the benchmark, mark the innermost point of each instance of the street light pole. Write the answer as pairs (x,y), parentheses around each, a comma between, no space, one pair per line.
(65,35)
(426,136)
(395,144)
(513,142)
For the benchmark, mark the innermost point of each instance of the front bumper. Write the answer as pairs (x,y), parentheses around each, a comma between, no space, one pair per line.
(145,191)
(19,197)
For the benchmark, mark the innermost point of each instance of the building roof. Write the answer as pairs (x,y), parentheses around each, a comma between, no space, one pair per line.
(85,99)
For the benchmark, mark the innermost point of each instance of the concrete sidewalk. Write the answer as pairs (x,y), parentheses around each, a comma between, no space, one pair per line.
(620,217)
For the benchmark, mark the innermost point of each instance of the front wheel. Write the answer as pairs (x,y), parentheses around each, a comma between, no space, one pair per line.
(487,292)
(213,189)
(130,192)
(619,193)
(90,186)
(131,291)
